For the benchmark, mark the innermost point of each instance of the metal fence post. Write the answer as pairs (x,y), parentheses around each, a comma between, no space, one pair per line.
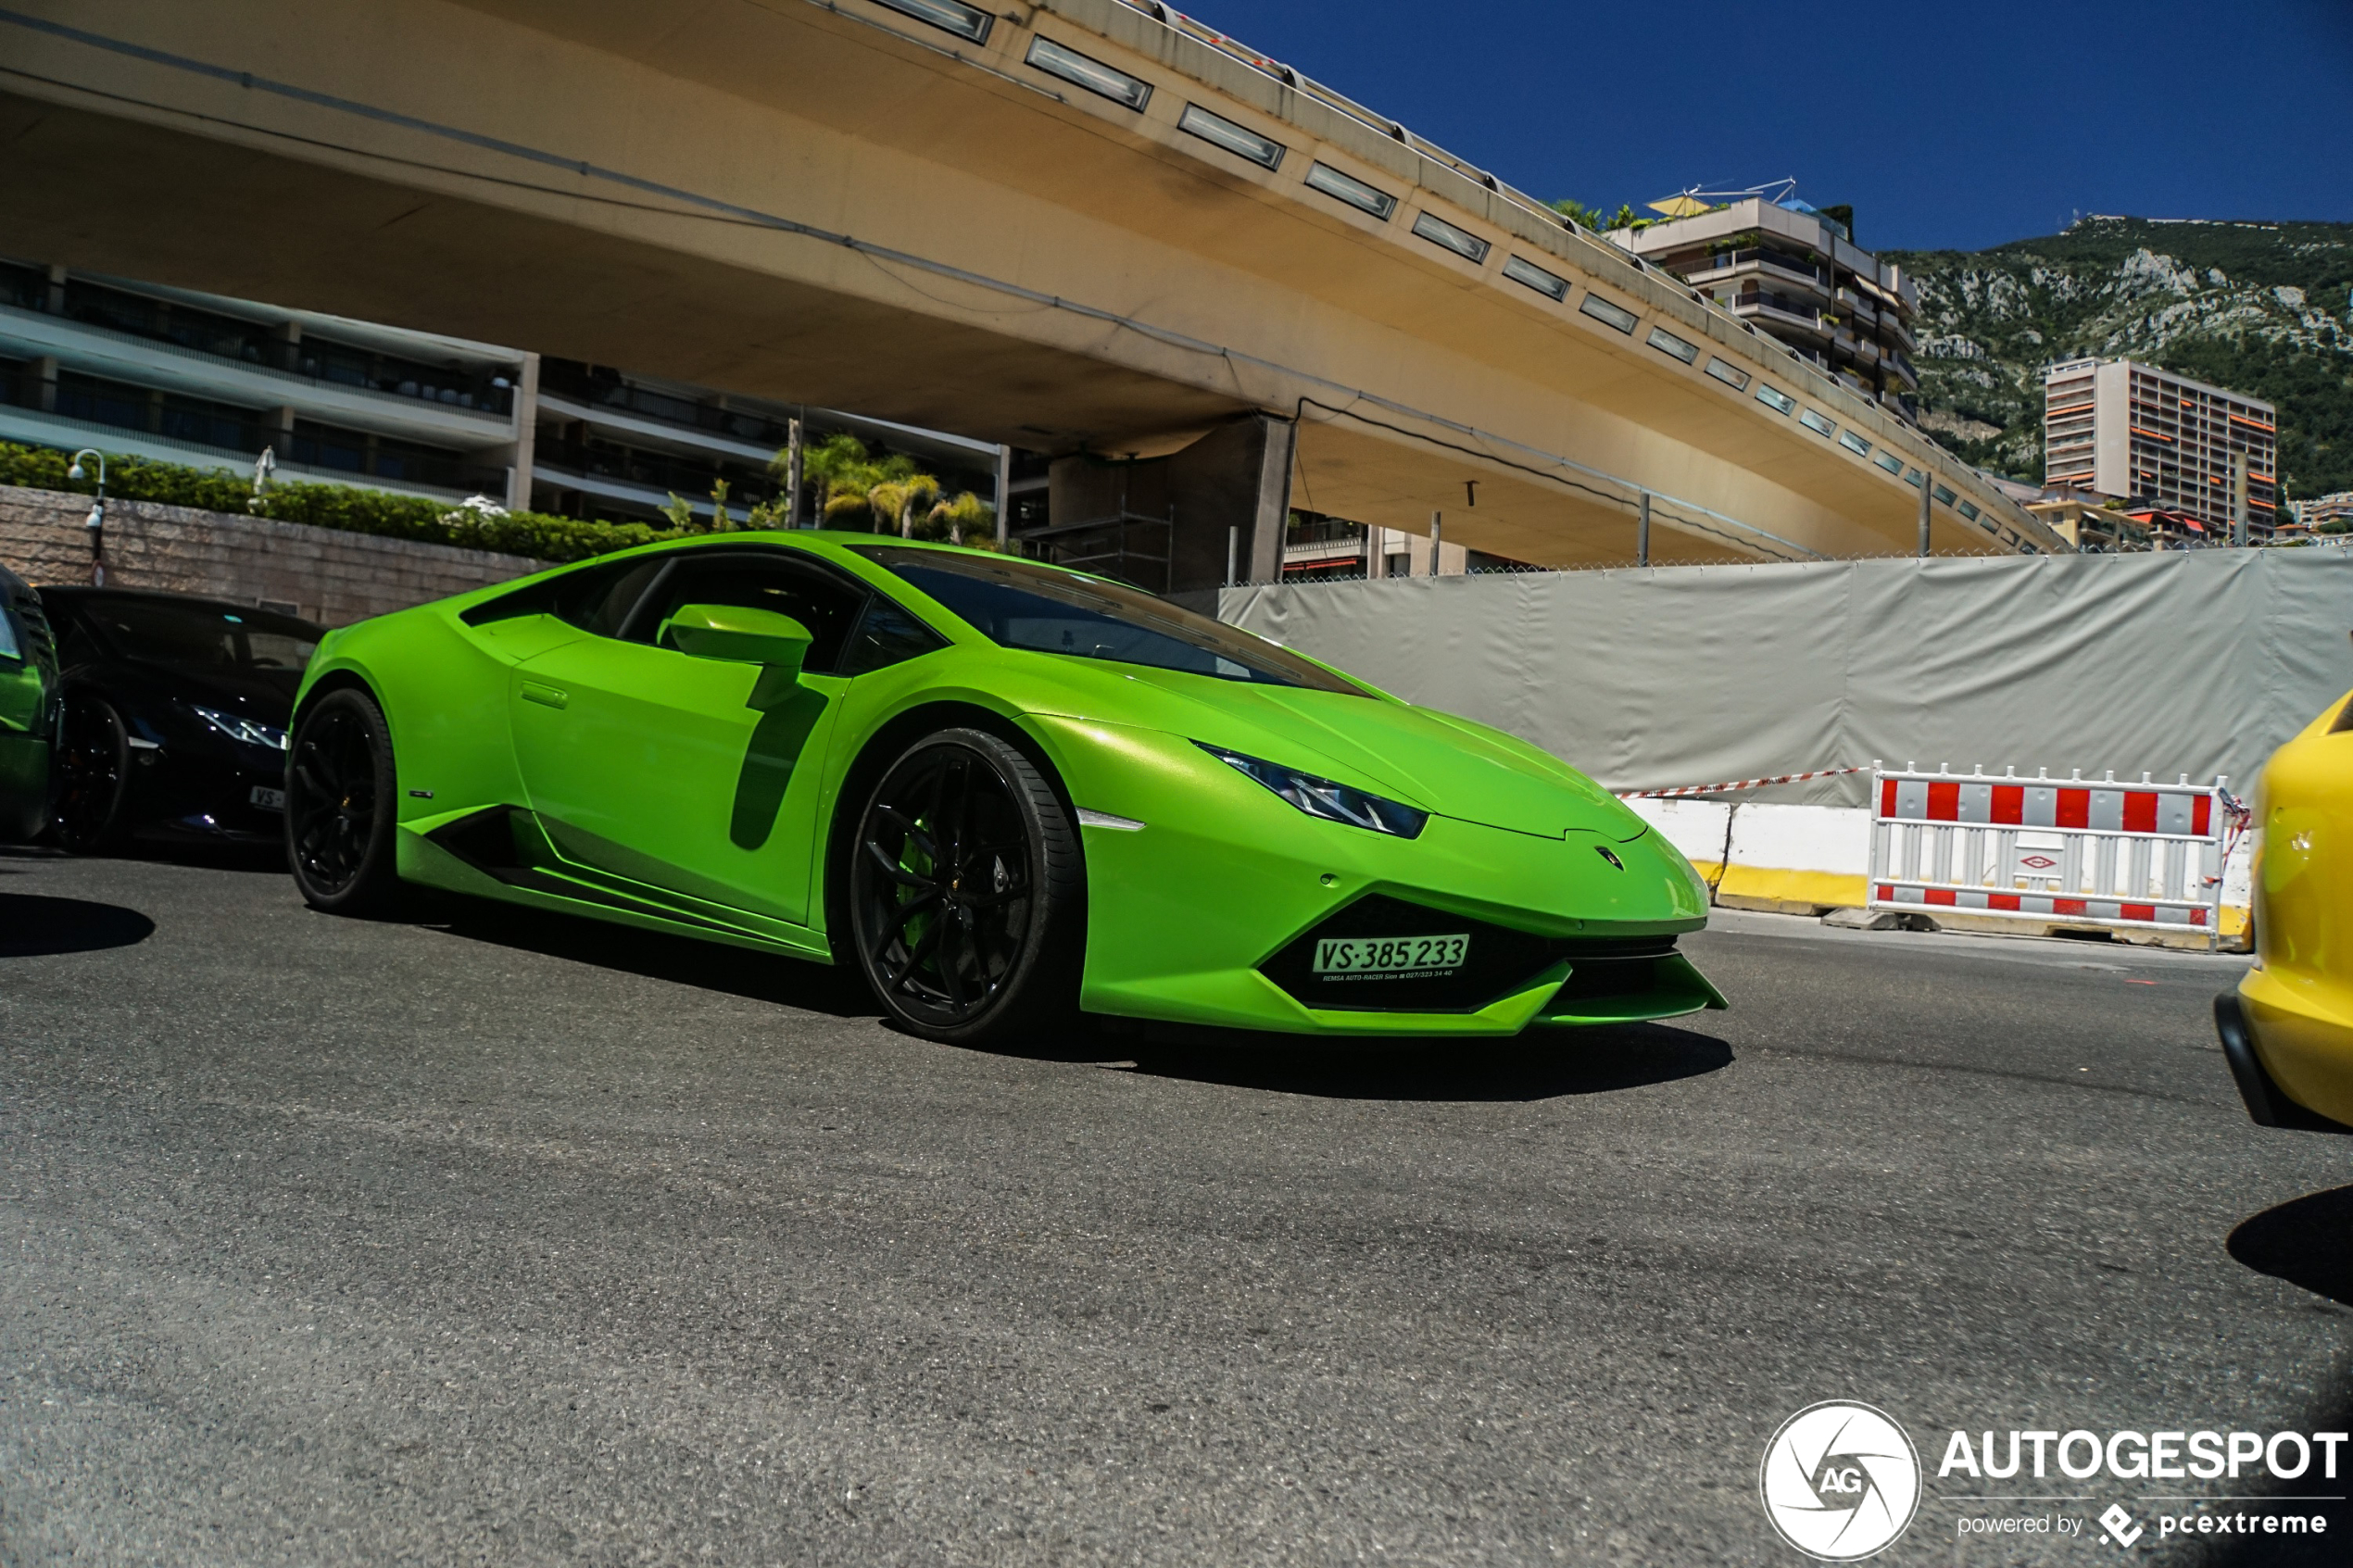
(1642,533)
(1924,514)
(1436,523)
(1233,553)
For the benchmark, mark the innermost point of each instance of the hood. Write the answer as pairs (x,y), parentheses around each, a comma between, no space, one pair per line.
(1431,760)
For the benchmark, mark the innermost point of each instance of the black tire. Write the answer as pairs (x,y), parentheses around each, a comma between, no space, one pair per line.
(342,805)
(91,773)
(967,892)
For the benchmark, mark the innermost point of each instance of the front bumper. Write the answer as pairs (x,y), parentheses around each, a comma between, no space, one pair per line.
(2291,1064)
(205,793)
(1207,913)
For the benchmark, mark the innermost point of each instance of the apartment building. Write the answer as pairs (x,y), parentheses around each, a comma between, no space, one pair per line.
(1795,275)
(2322,511)
(204,381)
(190,378)
(2178,447)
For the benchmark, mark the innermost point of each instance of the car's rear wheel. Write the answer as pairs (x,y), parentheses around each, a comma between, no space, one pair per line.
(93,773)
(967,892)
(341,806)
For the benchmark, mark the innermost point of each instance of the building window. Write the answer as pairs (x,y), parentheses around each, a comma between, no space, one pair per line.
(1916,479)
(1602,310)
(1945,495)
(1216,128)
(1668,343)
(1126,91)
(1731,375)
(1819,424)
(1890,461)
(1354,192)
(1773,397)
(1855,444)
(964,21)
(1969,510)
(1438,232)
(1529,275)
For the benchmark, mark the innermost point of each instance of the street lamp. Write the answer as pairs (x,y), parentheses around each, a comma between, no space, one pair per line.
(96,522)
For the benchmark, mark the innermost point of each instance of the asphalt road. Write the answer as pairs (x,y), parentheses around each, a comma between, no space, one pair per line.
(514,1240)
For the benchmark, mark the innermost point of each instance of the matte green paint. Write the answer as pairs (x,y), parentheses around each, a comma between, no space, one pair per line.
(692,787)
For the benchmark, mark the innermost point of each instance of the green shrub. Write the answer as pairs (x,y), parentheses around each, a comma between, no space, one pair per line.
(344,508)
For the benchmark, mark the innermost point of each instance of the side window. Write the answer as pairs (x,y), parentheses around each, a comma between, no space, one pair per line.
(810,594)
(887,634)
(595,597)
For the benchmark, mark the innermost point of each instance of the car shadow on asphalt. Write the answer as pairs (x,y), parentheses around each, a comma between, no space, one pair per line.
(1542,1064)
(684,960)
(2307,1241)
(32,925)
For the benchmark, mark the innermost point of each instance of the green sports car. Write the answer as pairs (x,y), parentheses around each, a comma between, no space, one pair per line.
(1008,791)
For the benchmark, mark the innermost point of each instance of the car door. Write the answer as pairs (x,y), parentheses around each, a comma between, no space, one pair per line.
(654,768)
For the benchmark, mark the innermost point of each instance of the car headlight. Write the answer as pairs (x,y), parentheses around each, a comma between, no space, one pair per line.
(237,727)
(1322,798)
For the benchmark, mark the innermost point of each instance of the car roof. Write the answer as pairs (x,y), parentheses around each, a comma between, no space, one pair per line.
(80,593)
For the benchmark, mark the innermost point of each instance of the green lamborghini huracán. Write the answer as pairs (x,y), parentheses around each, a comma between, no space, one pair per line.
(1009,793)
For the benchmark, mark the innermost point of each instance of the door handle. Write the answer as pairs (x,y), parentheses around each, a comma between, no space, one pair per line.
(551,695)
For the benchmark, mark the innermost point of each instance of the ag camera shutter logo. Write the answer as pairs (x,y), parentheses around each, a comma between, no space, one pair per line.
(1841,1481)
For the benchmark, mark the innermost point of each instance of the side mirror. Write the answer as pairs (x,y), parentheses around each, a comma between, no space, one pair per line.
(739,634)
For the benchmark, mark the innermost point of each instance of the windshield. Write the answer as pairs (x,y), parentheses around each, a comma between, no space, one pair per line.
(1019,604)
(208,636)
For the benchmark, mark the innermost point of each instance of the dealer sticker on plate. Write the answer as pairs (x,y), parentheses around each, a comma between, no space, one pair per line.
(269,800)
(1390,954)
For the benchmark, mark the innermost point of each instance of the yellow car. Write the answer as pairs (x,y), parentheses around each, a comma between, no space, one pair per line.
(2287,1030)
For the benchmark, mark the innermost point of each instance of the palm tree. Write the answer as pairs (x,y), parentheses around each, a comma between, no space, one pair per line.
(967,519)
(839,468)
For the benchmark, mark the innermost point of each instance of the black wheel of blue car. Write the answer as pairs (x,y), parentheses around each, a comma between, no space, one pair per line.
(966,891)
(90,776)
(340,805)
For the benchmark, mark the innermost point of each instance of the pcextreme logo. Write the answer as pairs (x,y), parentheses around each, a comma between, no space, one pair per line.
(1841,1481)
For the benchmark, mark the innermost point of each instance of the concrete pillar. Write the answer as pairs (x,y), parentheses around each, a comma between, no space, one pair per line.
(1924,513)
(56,291)
(45,371)
(1004,493)
(1237,477)
(527,428)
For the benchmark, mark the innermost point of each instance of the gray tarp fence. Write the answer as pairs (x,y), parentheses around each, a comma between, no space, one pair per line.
(2197,662)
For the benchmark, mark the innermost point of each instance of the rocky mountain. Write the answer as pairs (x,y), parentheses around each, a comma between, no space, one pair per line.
(2265,308)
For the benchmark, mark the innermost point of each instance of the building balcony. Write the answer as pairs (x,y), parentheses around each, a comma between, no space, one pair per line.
(1774,311)
(174,367)
(409,475)
(642,479)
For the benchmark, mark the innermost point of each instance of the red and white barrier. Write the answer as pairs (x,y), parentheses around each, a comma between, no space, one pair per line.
(2094,852)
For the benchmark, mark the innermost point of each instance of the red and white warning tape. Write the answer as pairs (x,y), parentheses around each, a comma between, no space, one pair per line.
(1736,785)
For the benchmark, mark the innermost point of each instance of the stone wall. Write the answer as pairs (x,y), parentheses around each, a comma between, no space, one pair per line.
(319,572)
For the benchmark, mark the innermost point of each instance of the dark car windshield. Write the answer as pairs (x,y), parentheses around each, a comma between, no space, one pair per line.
(1019,604)
(206,635)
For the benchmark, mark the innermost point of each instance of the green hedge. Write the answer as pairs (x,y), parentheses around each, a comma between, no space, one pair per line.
(341,506)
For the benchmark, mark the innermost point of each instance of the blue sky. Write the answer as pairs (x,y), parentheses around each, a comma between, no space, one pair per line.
(1953,125)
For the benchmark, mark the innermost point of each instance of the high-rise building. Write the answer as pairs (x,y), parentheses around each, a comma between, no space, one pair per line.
(2132,430)
(1794,274)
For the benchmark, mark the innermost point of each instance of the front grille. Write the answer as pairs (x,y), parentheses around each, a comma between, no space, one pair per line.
(1499,962)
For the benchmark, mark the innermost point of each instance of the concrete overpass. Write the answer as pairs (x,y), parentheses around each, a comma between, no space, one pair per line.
(1089,227)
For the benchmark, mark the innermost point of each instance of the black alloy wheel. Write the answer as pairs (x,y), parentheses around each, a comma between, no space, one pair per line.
(342,805)
(967,892)
(92,774)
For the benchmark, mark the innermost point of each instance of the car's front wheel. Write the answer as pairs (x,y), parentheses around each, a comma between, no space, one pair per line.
(341,806)
(967,892)
(92,776)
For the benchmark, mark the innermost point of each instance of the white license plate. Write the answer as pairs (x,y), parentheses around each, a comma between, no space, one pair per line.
(1391,955)
(269,800)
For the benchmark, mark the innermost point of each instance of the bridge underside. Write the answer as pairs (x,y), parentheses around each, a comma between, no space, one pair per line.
(774,198)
